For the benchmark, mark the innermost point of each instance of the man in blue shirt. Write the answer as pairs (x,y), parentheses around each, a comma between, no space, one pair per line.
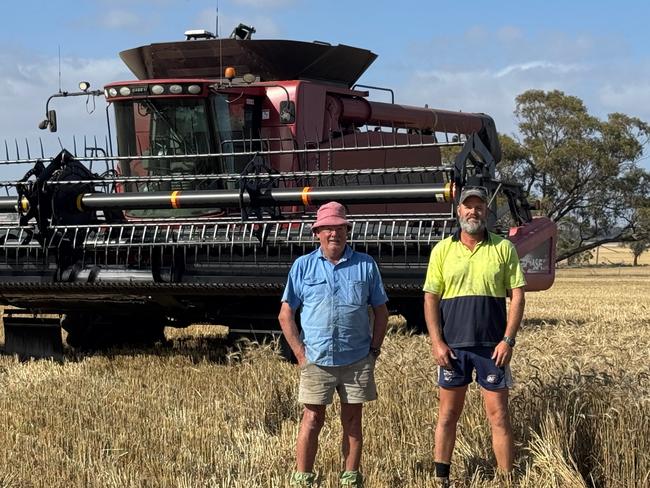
(338,346)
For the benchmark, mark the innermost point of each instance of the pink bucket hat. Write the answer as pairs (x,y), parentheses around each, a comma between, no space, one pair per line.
(332,213)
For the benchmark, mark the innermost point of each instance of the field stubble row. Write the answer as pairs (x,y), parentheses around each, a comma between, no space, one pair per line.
(192,413)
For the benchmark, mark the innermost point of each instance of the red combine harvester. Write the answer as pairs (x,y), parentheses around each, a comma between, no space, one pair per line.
(225,149)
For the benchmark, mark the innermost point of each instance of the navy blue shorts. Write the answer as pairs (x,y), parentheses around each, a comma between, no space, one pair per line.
(479,359)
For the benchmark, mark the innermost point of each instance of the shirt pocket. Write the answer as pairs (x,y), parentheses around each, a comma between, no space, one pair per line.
(315,289)
(358,293)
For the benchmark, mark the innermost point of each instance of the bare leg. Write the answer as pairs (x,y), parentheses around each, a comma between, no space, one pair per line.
(313,418)
(496,408)
(351,416)
(451,406)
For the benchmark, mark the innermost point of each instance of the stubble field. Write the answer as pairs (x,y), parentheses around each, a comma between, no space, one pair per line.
(190,413)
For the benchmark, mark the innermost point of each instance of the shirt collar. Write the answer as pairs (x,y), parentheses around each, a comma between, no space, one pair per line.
(487,237)
(347,253)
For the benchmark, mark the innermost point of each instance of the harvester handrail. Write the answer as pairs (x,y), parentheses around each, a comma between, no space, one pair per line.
(260,152)
(237,177)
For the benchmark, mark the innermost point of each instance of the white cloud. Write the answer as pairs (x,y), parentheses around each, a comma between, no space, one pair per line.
(25,87)
(484,71)
(560,68)
(491,91)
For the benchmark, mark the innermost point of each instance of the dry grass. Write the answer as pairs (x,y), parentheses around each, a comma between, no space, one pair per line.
(191,413)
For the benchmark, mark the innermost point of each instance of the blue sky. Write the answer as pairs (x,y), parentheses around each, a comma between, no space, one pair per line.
(474,56)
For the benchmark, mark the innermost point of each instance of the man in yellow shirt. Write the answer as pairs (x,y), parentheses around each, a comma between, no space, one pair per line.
(469,276)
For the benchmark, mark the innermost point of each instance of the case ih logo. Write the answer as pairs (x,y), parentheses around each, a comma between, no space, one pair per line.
(532,264)
(538,260)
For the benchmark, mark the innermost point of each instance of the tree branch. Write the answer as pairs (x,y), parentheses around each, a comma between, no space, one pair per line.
(593,245)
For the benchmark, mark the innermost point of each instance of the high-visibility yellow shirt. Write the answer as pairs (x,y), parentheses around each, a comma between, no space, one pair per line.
(473,286)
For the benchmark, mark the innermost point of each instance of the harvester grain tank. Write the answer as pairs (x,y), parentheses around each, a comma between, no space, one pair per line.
(224,148)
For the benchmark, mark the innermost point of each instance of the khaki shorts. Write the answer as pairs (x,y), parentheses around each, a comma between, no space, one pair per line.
(355,383)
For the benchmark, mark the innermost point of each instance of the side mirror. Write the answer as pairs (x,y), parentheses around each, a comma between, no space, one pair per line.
(51,119)
(49,122)
(287,112)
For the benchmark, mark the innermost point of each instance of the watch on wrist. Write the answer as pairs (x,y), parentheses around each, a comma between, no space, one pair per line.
(375,351)
(509,340)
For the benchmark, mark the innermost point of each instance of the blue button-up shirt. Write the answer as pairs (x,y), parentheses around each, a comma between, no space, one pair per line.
(334,299)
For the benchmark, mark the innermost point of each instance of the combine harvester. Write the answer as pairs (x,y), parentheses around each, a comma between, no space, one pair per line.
(224,150)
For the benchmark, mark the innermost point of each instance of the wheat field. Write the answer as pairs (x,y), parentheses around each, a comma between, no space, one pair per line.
(194,413)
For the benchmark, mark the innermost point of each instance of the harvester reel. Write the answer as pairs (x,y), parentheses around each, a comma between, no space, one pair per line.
(64,197)
(55,204)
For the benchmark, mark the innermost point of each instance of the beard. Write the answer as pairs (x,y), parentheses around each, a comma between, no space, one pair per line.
(472,226)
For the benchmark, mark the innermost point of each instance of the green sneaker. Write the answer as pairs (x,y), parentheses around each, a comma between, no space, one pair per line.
(352,479)
(302,479)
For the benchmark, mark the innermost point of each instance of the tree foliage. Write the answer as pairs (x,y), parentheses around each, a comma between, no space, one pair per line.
(584,171)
